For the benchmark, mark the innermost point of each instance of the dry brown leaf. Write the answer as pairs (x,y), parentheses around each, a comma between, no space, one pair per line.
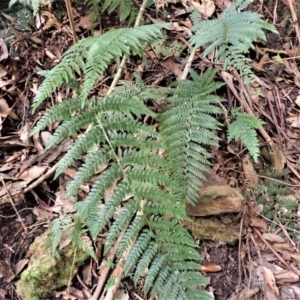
(19,266)
(4,108)
(250,172)
(32,173)
(283,246)
(64,204)
(248,293)
(270,279)
(3,71)
(260,224)
(24,134)
(294,121)
(206,8)
(172,66)
(296,257)
(85,23)
(45,137)
(4,51)
(42,214)
(273,237)
(275,157)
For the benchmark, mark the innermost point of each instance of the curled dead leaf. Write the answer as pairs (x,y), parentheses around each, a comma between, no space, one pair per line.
(210,268)
(250,172)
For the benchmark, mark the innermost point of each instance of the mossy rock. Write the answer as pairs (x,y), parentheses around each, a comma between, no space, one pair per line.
(46,273)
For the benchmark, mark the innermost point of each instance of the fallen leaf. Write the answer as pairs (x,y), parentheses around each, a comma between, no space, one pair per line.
(259,223)
(270,279)
(249,171)
(273,237)
(210,268)
(296,257)
(32,173)
(19,266)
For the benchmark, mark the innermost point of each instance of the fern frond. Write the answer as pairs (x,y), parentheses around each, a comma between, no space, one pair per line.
(187,126)
(145,260)
(97,53)
(124,217)
(244,128)
(58,112)
(232,35)
(126,8)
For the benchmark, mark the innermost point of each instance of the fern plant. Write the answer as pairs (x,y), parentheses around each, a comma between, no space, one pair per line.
(231,36)
(147,186)
(150,173)
(126,8)
(244,128)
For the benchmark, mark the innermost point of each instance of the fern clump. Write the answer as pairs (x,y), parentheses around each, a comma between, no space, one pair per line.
(244,128)
(231,36)
(144,188)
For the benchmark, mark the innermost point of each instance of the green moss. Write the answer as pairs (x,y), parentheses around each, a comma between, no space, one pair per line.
(46,273)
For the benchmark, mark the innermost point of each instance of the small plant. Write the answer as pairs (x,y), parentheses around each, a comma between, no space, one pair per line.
(279,203)
(244,128)
(231,36)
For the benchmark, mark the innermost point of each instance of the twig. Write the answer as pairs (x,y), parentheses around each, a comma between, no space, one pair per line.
(105,269)
(13,205)
(187,66)
(42,178)
(290,5)
(123,62)
(71,19)
(272,250)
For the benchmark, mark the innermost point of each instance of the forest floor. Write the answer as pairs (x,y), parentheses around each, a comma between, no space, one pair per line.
(264,260)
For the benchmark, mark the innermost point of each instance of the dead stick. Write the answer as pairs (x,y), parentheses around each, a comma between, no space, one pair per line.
(273,251)
(13,205)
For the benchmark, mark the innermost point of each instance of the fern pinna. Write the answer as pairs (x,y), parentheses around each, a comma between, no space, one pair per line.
(146,202)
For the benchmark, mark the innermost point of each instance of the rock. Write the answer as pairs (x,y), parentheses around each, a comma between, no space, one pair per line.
(47,273)
(214,229)
(216,198)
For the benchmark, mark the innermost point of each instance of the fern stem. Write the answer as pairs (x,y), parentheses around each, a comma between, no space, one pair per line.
(105,268)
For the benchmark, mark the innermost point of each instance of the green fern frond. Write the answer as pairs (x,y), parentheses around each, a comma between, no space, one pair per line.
(145,260)
(35,4)
(91,56)
(187,126)
(126,8)
(232,35)
(244,128)
(55,234)
(58,112)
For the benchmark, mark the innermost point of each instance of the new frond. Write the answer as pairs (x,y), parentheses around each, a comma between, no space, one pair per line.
(244,128)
